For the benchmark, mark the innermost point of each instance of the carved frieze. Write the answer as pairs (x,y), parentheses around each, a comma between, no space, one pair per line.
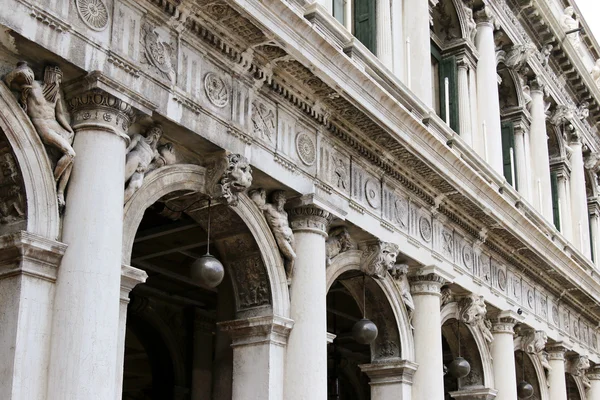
(216,89)
(306,148)
(263,121)
(158,50)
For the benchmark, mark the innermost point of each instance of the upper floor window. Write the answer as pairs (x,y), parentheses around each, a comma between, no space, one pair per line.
(508,153)
(445,87)
(339,11)
(364,23)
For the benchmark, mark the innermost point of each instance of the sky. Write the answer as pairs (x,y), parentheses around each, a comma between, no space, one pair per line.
(591,13)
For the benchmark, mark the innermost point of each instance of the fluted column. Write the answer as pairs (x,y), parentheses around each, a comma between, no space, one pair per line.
(503,349)
(579,210)
(384,33)
(594,390)
(564,193)
(258,356)
(476,140)
(542,191)
(390,380)
(464,103)
(418,56)
(487,92)
(84,350)
(428,382)
(556,375)
(306,359)
(521,164)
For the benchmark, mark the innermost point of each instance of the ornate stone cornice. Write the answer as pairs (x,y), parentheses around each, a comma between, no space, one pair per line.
(310,218)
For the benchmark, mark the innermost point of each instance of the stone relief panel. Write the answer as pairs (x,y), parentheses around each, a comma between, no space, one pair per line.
(240,105)
(159,50)
(528,295)
(514,287)
(444,242)
(499,277)
(191,73)
(305,145)
(334,167)
(483,267)
(126,31)
(263,117)
(216,90)
(395,208)
(421,226)
(93,13)
(542,304)
(251,282)
(466,255)
(13,206)
(286,132)
(366,188)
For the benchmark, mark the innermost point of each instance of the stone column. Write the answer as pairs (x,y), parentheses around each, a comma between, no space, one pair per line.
(487,92)
(86,311)
(390,380)
(556,375)
(503,354)
(464,103)
(521,164)
(579,210)
(28,269)
(130,278)
(594,215)
(594,390)
(476,140)
(416,32)
(258,356)
(428,382)
(542,191)
(383,39)
(562,178)
(306,360)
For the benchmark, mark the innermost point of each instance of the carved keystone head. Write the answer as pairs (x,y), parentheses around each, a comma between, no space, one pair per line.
(228,175)
(379,258)
(472,309)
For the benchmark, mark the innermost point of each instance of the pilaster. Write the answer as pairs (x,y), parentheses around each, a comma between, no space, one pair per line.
(28,270)
(258,356)
(390,380)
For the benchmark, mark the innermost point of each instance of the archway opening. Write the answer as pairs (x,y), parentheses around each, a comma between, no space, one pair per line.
(525,371)
(572,389)
(174,348)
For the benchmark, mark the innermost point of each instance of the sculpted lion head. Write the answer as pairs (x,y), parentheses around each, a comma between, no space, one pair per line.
(236,177)
(473,309)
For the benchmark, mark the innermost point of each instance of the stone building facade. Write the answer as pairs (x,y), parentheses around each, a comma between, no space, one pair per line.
(429,165)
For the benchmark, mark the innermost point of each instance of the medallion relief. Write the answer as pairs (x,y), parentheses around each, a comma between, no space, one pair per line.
(425,228)
(306,148)
(372,192)
(159,52)
(217,90)
(94,13)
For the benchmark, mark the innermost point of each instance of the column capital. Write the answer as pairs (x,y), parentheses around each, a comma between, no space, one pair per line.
(99,102)
(536,85)
(390,372)
(594,374)
(505,321)
(130,278)
(484,16)
(310,218)
(556,351)
(258,330)
(429,280)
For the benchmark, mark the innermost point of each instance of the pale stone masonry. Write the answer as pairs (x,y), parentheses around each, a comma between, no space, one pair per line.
(428,168)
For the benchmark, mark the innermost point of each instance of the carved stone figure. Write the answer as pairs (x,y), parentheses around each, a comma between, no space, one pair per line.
(578,366)
(12,205)
(582,110)
(278,221)
(42,103)
(569,23)
(562,114)
(545,54)
(338,241)
(534,342)
(229,175)
(379,258)
(143,157)
(595,72)
(400,272)
(447,296)
(519,55)
(472,312)
(471,25)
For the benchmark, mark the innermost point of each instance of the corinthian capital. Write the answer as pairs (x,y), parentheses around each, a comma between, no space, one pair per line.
(310,218)
(484,15)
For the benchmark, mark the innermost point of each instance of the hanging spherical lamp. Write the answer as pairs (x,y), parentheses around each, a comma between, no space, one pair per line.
(524,390)
(459,367)
(207,270)
(364,331)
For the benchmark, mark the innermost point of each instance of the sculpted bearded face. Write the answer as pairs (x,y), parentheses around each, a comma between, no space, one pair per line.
(239,173)
(389,252)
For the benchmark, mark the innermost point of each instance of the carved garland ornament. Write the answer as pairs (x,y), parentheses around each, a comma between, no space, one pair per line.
(216,89)
(93,13)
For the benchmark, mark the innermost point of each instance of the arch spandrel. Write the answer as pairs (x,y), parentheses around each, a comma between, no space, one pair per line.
(268,262)
(350,261)
(40,205)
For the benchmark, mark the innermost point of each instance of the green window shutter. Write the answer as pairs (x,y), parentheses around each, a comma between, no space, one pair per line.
(591,239)
(554,188)
(338,10)
(448,70)
(508,142)
(364,23)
